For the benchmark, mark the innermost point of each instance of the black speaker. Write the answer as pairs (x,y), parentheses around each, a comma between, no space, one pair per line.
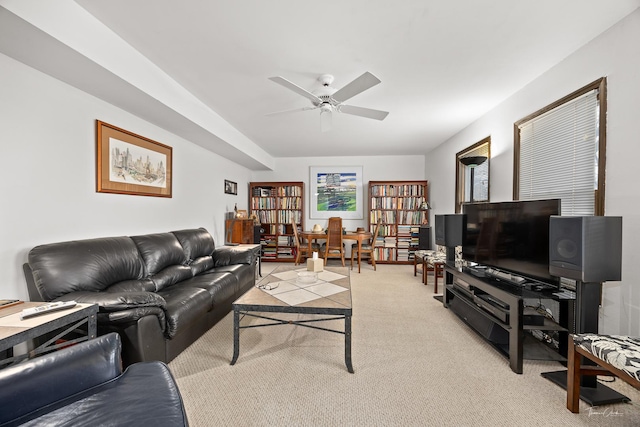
(257,230)
(450,229)
(424,237)
(586,248)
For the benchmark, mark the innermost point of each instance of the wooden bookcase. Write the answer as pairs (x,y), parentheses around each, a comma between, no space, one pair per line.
(397,203)
(276,204)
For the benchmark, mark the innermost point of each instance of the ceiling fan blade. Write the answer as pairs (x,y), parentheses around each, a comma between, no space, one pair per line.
(275,113)
(363,112)
(325,120)
(362,83)
(297,89)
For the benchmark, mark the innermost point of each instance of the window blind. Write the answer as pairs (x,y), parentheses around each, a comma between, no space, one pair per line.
(558,155)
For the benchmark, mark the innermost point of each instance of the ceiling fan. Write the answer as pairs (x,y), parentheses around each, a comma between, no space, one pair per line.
(329,100)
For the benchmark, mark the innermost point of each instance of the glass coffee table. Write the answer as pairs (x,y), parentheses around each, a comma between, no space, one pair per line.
(283,291)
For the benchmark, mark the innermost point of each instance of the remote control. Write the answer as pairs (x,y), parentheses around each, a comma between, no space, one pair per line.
(46,309)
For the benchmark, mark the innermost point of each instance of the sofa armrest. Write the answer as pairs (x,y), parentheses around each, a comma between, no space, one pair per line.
(130,315)
(116,301)
(228,255)
(56,376)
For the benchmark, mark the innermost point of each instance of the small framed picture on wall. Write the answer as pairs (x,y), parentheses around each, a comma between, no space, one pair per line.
(230,187)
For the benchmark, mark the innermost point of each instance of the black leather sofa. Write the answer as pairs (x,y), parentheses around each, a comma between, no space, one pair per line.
(159,292)
(84,385)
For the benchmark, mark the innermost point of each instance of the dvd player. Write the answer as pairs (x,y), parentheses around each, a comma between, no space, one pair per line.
(485,303)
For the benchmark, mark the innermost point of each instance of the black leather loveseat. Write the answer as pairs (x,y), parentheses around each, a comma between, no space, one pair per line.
(159,292)
(84,385)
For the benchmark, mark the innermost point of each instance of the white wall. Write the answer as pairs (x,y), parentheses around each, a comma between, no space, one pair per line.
(616,55)
(374,168)
(48,174)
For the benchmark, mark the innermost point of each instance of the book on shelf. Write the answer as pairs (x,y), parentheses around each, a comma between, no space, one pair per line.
(389,242)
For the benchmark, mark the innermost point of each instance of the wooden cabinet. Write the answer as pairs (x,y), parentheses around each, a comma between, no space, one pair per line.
(401,205)
(277,205)
(239,230)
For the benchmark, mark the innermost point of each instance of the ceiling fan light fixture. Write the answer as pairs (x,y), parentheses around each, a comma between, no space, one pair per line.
(328,99)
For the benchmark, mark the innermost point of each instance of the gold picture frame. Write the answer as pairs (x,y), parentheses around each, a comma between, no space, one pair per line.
(132,164)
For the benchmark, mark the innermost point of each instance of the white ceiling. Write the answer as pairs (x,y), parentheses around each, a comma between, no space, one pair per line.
(442,63)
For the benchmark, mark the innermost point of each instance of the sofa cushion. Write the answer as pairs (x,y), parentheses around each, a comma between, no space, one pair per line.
(195,243)
(241,272)
(620,351)
(84,265)
(143,285)
(201,264)
(229,255)
(171,275)
(159,251)
(185,305)
(221,286)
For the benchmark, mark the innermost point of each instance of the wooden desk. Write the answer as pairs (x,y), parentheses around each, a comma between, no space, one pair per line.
(14,331)
(349,235)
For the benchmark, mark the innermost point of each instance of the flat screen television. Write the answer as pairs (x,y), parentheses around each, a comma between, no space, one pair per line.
(511,236)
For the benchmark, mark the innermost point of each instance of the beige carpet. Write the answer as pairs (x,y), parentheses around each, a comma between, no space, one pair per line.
(415,362)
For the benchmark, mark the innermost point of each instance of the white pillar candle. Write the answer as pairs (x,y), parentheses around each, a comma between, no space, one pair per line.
(315,255)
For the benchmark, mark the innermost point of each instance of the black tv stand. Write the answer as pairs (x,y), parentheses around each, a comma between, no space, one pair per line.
(494,307)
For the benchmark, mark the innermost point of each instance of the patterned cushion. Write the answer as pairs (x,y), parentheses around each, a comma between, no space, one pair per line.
(436,257)
(423,253)
(622,352)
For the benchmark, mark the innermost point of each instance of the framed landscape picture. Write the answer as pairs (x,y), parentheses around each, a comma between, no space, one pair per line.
(132,164)
(336,191)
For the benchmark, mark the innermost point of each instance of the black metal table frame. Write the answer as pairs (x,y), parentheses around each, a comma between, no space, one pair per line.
(66,324)
(249,309)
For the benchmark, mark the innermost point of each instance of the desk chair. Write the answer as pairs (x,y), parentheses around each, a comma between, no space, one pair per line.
(367,248)
(302,247)
(333,248)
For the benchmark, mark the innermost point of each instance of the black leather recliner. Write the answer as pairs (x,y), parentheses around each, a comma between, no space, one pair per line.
(84,385)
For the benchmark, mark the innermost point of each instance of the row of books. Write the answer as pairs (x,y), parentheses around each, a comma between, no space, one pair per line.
(290,190)
(272,252)
(404,217)
(397,190)
(384,254)
(409,203)
(391,254)
(386,217)
(281,216)
(285,241)
(291,203)
(263,191)
(272,203)
(263,203)
(411,217)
